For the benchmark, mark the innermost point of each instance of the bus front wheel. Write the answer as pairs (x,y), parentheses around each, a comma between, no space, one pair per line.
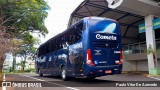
(64,74)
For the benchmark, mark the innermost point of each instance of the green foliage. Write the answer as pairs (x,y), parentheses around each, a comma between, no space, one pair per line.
(24,15)
(20,18)
(22,64)
(158,51)
(150,50)
(30,70)
(28,45)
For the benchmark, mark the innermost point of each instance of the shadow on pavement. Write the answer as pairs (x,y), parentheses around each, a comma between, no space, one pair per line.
(81,82)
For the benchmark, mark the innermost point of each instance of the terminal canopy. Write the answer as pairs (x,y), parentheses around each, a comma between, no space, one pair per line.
(128,21)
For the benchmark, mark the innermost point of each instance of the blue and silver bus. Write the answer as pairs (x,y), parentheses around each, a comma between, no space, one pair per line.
(90,48)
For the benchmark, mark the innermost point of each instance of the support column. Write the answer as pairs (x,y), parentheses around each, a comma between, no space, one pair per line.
(151,43)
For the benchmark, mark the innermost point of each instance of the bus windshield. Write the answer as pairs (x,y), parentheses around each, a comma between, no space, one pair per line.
(104,26)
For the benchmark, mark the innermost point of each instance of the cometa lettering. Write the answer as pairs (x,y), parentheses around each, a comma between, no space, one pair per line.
(98,36)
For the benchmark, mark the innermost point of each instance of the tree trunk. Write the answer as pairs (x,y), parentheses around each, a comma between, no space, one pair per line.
(1,16)
(25,57)
(14,62)
(1,64)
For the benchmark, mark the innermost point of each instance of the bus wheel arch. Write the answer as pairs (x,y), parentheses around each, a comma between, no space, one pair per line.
(64,73)
(62,66)
(39,72)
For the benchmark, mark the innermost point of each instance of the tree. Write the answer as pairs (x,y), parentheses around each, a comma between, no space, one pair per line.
(4,47)
(28,47)
(24,15)
(19,17)
(15,48)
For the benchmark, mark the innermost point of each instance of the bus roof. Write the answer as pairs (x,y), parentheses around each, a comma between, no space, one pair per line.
(60,34)
(82,20)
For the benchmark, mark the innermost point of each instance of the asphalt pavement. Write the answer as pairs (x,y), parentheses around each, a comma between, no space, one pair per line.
(48,82)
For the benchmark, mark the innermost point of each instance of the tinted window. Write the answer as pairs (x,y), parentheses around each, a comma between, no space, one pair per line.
(70,37)
(104,26)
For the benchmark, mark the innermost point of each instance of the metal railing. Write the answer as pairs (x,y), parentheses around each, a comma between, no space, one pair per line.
(138,47)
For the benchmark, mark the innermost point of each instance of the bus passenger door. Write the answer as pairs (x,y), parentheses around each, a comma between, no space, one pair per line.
(56,63)
(75,61)
(78,61)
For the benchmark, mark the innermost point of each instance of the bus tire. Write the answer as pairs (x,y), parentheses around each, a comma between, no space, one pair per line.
(39,72)
(64,74)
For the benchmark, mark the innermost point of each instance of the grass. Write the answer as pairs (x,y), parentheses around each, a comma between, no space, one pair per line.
(1,77)
(153,75)
(1,74)
(31,70)
(17,72)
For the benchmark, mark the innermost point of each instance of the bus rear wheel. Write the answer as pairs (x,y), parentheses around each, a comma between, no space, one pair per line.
(64,74)
(39,72)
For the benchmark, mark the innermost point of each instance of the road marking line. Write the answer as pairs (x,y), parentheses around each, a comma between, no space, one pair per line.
(154,78)
(51,82)
(4,77)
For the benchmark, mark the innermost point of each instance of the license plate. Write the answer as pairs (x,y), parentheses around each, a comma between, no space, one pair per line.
(108,71)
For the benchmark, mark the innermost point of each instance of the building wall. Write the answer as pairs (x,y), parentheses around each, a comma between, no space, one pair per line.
(142,65)
(128,65)
(135,62)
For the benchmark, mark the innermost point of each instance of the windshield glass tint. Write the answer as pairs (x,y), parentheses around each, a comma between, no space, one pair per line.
(104,26)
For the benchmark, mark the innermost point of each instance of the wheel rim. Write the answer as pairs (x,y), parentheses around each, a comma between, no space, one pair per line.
(63,74)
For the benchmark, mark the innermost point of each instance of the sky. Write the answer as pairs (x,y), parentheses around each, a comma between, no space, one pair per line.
(57,20)
(58,16)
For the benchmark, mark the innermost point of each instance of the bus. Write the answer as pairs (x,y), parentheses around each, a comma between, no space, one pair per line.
(90,48)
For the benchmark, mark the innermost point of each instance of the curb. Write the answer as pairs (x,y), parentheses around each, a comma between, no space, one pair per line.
(125,72)
(132,72)
(152,75)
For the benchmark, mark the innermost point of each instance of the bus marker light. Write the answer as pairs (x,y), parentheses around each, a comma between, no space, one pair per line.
(108,71)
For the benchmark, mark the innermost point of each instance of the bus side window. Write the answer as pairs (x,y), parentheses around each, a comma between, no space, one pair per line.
(78,33)
(64,42)
(74,39)
(61,43)
(71,39)
(61,46)
(84,26)
(67,41)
